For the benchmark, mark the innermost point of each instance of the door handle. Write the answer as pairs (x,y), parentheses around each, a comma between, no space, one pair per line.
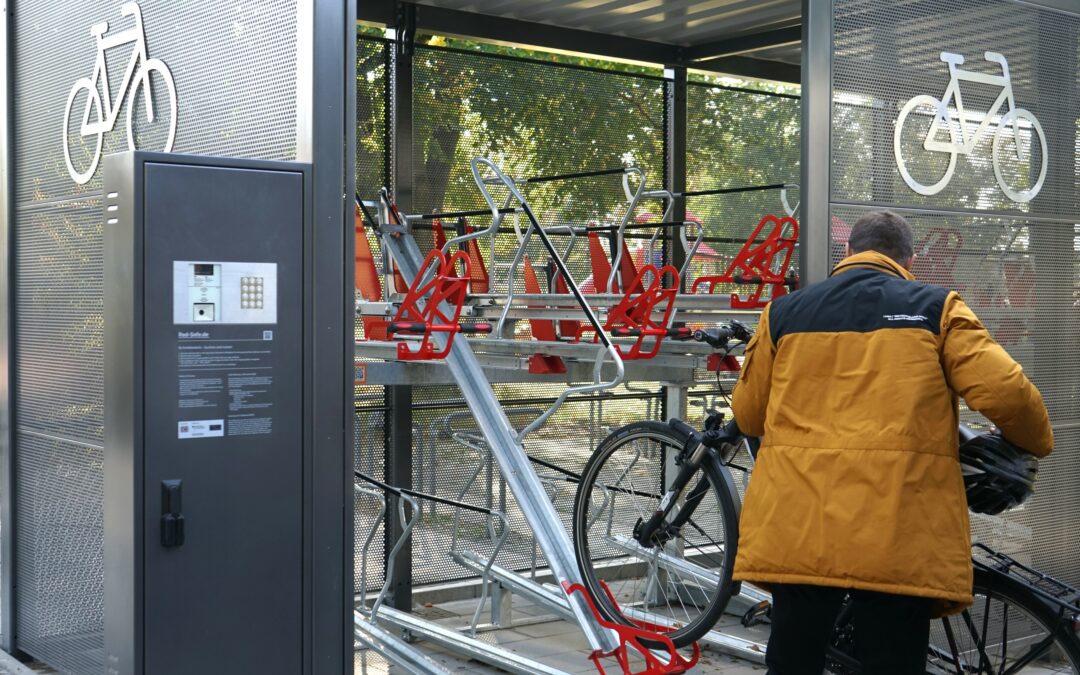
(172,518)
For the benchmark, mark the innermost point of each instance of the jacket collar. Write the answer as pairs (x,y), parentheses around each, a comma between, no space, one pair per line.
(873,260)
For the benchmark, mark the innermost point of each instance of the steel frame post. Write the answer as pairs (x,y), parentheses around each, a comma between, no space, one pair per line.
(326,136)
(815,173)
(1049,249)
(675,159)
(7,343)
(398,425)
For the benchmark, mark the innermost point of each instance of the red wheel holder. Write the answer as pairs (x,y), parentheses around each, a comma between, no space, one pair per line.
(444,285)
(633,316)
(756,263)
(630,638)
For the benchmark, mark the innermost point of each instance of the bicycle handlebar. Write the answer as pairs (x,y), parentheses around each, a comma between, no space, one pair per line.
(719,337)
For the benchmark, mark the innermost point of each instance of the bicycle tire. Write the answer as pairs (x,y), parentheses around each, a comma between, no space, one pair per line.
(686,592)
(898,144)
(1046,643)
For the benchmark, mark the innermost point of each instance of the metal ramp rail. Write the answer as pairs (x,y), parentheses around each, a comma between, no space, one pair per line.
(381,628)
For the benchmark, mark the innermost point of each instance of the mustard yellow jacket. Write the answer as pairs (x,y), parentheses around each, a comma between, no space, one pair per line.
(853,385)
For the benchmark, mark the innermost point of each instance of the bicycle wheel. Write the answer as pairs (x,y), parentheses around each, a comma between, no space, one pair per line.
(82,152)
(682,582)
(925,171)
(151,124)
(1008,629)
(1019,149)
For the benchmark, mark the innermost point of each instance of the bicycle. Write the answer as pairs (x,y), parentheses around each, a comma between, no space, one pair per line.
(681,534)
(962,140)
(666,549)
(99,114)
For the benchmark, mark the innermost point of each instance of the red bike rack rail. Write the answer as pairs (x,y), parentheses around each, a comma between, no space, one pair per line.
(632,638)
(420,311)
(756,264)
(633,316)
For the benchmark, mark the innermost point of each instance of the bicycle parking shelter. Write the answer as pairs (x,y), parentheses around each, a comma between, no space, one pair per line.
(1001,231)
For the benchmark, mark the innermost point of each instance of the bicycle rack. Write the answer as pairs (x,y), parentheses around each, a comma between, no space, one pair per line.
(630,638)
(435,302)
(760,265)
(371,627)
(491,419)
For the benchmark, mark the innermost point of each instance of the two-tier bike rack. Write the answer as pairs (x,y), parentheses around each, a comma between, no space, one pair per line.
(447,326)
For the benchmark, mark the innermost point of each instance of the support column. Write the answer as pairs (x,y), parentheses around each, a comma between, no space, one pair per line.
(326,137)
(1054,325)
(814,235)
(7,343)
(675,156)
(398,423)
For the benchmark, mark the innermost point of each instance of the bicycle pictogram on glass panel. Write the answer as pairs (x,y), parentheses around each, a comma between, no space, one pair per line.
(947,129)
(97,112)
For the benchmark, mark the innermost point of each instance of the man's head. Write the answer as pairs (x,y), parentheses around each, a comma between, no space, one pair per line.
(886,233)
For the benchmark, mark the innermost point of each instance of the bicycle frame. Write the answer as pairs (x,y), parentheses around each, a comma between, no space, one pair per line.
(965,142)
(100,77)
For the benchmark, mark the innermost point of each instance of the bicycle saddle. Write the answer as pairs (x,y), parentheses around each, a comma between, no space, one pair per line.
(99,29)
(955,59)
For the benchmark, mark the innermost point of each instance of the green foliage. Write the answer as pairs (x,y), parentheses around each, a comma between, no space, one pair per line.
(538,113)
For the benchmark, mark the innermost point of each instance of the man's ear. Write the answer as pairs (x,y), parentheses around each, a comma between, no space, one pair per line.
(847,250)
(908,263)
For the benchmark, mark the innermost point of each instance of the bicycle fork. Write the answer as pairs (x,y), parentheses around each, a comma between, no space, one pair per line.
(649,532)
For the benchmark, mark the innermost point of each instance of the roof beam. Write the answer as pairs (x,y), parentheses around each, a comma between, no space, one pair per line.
(745,66)
(485,26)
(744,43)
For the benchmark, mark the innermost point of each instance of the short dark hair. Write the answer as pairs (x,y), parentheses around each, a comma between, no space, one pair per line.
(884,232)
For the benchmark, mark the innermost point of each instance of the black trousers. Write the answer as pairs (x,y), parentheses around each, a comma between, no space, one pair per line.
(891,632)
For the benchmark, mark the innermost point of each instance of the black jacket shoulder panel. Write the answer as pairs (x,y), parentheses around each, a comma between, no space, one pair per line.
(858,300)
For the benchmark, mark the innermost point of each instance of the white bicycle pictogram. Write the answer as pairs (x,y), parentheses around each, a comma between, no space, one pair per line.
(1010,127)
(100,112)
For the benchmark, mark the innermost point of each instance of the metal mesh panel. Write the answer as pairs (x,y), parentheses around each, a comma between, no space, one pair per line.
(1019,273)
(373,144)
(234,68)
(737,138)
(444,466)
(887,53)
(534,119)
(369,457)
(372,82)
(59,596)
(1022,278)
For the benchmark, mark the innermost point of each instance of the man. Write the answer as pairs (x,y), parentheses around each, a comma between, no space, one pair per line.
(853,384)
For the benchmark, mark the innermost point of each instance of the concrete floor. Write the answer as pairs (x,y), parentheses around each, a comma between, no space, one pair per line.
(537,635)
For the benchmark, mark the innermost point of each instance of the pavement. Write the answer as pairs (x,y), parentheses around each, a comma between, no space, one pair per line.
(537,635)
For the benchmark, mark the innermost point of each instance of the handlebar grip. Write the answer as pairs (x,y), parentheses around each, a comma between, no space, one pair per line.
(476,328)
(717,337)
(623,331)
(406,327)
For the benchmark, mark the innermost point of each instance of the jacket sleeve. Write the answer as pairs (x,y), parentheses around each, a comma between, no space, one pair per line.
(750,399)
(991,382)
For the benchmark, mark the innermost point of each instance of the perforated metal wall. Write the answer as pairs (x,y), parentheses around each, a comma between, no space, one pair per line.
(234,69)
(1016,263)
(534,119)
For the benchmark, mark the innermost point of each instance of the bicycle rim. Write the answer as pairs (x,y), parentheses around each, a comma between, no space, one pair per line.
(682,584)
(926,172)
(1007,630)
